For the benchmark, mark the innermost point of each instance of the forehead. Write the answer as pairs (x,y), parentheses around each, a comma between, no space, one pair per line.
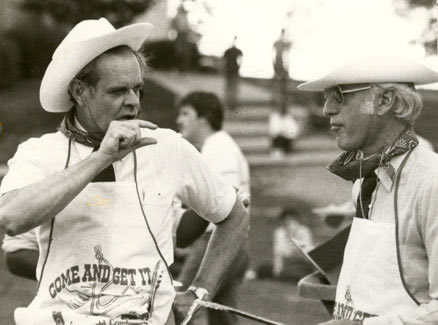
(187,109)
(118,68)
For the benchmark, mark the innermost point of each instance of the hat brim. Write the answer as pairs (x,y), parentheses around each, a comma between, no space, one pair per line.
(386,69)
(54,96)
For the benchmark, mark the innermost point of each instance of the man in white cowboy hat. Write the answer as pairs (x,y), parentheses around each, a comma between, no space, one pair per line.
(389,273)
(101,192)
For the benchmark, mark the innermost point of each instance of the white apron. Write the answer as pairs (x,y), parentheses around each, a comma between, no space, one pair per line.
(370,281)
(102,266)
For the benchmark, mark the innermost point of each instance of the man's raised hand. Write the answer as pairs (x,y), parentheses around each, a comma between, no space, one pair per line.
(123,137)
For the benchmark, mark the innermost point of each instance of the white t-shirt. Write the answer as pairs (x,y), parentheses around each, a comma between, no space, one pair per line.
(169,171)
(225,157)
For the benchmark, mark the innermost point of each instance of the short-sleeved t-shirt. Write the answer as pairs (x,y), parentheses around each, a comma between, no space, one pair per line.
(169,171)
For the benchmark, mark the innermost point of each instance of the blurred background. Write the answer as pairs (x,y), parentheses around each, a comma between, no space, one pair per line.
(283,42)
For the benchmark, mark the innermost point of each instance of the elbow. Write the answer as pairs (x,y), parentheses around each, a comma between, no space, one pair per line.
(7,224)
(10,229)
(10,220)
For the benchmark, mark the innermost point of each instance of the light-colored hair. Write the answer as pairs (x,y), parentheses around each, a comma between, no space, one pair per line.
(407,103)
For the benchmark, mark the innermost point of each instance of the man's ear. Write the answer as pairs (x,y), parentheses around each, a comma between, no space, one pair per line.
(385,101)
(76,90)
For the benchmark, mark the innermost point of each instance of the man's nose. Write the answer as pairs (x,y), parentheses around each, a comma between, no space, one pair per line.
(132,98)
(179,121)
(330,108)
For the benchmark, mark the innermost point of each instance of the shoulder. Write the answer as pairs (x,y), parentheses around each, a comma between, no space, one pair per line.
(46,146)
(164,137)
(170,144)
(425,162)
(422,175)
(220,143)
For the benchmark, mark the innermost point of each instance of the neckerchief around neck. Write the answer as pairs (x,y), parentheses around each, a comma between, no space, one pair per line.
(69,129)
(347,165)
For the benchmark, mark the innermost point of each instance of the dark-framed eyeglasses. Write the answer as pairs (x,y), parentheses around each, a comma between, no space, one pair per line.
(338,93)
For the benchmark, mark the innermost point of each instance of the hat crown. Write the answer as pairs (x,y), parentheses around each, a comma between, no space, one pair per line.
(383,68)
(85,30)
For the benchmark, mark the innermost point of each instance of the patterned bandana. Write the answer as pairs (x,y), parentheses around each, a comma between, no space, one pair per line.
(347,165)
(69,129)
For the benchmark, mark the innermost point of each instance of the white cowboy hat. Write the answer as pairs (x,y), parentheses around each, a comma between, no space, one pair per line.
(375,69)
(86,41)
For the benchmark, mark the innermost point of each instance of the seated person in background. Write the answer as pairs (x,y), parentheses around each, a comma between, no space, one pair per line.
(291,238)
(283,130)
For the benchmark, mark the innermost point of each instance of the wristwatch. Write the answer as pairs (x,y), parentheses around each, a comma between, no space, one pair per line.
(200,293)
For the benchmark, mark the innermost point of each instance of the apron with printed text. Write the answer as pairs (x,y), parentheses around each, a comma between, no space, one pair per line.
(370,282)
(102,266)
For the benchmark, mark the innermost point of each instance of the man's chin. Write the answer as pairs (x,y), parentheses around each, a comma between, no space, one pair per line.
(346,146)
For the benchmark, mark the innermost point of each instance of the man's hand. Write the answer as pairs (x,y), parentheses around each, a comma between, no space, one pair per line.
(342,322)
(184,301)
(123,137)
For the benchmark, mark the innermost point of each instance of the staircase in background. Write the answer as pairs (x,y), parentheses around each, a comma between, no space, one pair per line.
(298,177)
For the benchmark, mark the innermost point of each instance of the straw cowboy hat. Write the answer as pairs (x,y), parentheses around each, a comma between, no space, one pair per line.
(86,41)
(375,69)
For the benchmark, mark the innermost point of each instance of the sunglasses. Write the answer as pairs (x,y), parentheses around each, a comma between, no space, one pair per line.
(338,93)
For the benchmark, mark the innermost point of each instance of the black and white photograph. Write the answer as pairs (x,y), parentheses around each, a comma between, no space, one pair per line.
(218,162)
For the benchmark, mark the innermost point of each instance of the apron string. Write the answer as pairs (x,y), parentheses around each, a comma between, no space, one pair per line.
(146,220)
(397,239)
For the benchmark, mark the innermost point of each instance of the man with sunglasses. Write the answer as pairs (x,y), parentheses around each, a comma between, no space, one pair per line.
(389,273)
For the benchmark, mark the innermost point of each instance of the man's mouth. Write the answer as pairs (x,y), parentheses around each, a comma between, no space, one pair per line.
(127,117)
(336,127)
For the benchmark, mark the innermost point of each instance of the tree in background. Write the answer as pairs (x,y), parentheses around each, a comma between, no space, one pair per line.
(118,12)
(429,36)
(32,41)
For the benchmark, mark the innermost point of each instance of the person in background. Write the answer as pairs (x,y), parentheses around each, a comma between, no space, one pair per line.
(283,130)
(389,273)
(232,60)
(291,238)
(100,192)
(281,51)
(200,122)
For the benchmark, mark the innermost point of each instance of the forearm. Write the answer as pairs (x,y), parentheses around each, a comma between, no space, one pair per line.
(223,246)
(28,207)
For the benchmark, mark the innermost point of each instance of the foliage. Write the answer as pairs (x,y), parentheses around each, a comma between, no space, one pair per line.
(428,38)
(118,12)
(421,3)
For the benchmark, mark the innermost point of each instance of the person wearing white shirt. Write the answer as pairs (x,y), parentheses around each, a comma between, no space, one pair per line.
(389,273)
(200,121)
(101,192)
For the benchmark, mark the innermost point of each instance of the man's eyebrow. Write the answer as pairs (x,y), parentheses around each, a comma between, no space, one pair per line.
(122,87)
